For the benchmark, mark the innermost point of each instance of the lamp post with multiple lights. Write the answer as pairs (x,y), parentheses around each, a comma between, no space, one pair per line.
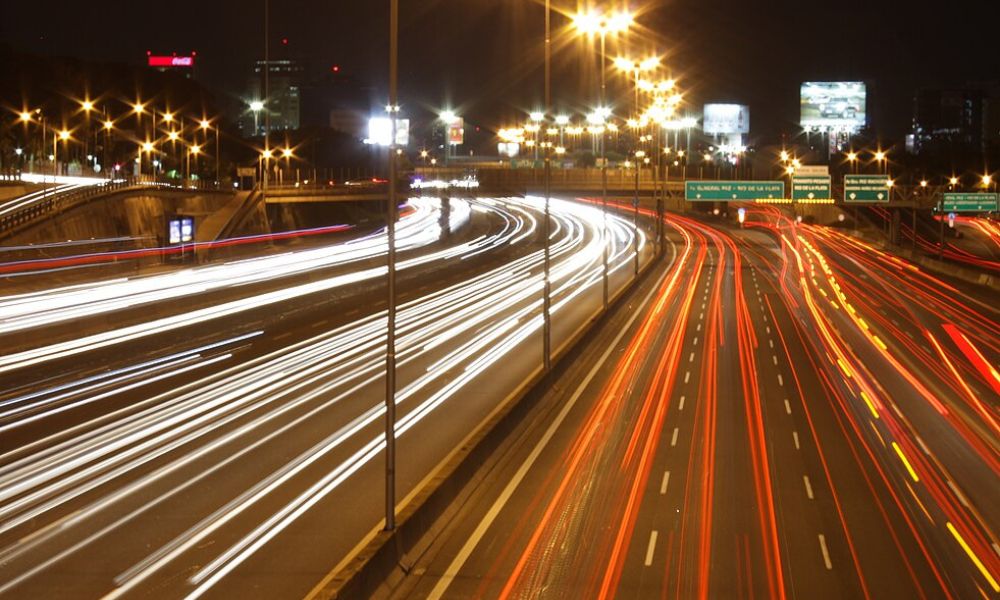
(595,23)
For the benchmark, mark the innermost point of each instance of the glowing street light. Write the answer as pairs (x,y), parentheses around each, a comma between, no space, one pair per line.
(64,135)
(109,125)
(448,117)
(987,180)
(598,23)
(204,124)
(287,153)
(953,181)
(255,107)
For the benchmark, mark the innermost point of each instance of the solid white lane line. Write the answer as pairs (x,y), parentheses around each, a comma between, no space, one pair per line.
(665,482)
(809,487)
(470,544)
(795,436)
(651,548)
(826,553)
(788,406)
(673,439)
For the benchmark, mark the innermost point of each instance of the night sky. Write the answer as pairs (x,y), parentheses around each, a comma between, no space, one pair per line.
(484,56)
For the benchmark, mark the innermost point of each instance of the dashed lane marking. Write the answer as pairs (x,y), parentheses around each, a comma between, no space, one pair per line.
(651,548)
(826,553)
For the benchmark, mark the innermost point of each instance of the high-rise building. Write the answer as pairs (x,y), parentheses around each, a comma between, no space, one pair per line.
(281,109)
(962,120)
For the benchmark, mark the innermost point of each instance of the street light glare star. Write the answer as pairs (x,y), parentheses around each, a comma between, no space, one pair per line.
(87,105)
(205,124)
(25,116)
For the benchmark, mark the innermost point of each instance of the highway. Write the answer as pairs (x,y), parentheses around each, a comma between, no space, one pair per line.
(216,431)
(781,412)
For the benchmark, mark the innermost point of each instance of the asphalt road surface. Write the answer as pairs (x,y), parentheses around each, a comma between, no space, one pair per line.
(217,431)
(781,412)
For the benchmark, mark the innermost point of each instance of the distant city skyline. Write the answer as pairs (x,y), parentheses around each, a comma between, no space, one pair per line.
(721,50)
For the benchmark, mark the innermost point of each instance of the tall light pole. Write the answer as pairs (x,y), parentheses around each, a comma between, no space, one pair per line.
(590,24)
(390,351)
(640,155)
(546,230)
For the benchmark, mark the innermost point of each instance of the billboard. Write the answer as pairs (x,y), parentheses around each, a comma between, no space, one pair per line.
(834,105)
(726,119)
(180,230)
(170,61)
(380,131)
(456,131)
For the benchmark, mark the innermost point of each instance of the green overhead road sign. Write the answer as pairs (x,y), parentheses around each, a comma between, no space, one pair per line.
(959,202)
(811,187)
(866,188)
(727,191)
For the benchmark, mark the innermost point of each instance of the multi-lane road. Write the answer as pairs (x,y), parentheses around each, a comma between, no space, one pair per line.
(781,412)
(217,430)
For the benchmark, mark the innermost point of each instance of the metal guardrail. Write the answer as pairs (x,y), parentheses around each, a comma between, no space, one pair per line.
(60,202)
(56,203)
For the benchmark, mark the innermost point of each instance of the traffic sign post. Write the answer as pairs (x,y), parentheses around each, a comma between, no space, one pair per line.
(728,191)
(811,187)
(967,202)
(866,188)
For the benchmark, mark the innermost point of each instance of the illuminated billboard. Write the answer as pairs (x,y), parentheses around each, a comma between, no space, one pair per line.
(833,105)
(380,131)
(456,131)
(170,61)
(726,119)
(180,230)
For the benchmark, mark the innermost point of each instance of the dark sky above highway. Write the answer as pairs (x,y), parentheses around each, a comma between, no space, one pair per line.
(484,56)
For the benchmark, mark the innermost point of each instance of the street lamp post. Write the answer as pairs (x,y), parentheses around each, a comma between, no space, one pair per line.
(639,156)
(546,230)
(390,354)
(590,23)
(192,151)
